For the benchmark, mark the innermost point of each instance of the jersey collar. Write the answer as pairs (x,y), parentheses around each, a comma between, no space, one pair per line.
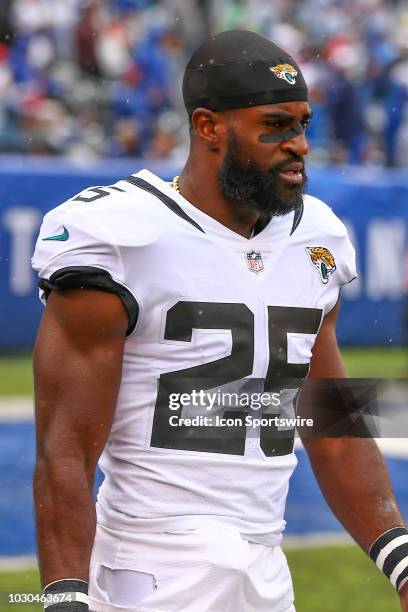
(276,226)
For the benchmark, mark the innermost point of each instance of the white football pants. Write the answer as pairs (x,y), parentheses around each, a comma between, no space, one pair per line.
(210,569)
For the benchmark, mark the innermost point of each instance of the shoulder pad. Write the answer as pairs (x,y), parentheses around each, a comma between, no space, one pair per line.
(318,215)
(109,214)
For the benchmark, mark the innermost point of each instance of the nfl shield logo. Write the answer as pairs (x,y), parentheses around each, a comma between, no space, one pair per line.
(254,261)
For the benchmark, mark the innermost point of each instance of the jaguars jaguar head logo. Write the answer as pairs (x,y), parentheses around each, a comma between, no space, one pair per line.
(286,72)
(323,261)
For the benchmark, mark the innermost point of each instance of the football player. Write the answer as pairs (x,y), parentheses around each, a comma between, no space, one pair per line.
(160,298)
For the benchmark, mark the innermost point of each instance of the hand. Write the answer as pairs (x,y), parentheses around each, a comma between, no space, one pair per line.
(404,597)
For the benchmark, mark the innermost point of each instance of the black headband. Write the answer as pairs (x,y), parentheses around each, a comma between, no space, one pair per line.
(238,69)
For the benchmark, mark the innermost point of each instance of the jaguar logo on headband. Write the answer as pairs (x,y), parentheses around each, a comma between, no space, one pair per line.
(286,72)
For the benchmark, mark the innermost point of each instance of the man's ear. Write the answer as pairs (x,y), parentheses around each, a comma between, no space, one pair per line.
(208,127)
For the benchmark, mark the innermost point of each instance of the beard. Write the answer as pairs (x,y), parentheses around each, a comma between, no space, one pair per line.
(246,184)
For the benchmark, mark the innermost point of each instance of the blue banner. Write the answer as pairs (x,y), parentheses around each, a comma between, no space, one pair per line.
(372,203)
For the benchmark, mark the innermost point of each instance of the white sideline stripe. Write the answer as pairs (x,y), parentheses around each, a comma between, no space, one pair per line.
(394,447)
(390,447)
(17,563)
(16,409)
(317,540)
(383,554)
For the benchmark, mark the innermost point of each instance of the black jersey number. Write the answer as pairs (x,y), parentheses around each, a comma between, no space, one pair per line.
(98,192)
(185,316)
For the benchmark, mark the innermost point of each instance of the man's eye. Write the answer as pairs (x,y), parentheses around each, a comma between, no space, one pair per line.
(277,125)
(305,123)
(274,124)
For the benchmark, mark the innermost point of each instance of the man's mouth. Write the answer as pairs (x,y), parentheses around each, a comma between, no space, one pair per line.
(294,177)
(293,173)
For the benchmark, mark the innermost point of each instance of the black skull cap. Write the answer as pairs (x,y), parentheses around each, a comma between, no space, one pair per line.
(240,68)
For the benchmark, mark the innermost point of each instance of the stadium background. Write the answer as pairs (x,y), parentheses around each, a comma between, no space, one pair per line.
(90,92)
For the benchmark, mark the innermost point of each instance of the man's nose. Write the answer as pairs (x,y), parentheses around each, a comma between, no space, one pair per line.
(297,145)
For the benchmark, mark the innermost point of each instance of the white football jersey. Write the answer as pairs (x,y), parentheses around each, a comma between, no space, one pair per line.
(210,312)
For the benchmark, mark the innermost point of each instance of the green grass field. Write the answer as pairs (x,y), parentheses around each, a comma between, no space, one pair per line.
(333,579)
(16,377)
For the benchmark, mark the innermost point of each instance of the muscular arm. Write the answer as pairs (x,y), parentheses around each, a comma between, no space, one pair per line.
(77,371)
(350,471)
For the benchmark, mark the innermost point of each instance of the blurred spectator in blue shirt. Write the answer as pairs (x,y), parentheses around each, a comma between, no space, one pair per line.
(87,78)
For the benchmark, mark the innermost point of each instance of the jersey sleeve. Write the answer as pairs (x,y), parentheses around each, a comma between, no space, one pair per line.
(74,251)
(347,261)
(321,227)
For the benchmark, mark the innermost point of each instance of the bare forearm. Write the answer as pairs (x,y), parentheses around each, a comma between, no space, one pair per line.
(65,518)
(354,480)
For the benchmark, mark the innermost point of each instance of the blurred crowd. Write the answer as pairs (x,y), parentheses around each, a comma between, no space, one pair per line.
(93,78)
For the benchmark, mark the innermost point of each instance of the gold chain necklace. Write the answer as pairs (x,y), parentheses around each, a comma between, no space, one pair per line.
(176,183)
